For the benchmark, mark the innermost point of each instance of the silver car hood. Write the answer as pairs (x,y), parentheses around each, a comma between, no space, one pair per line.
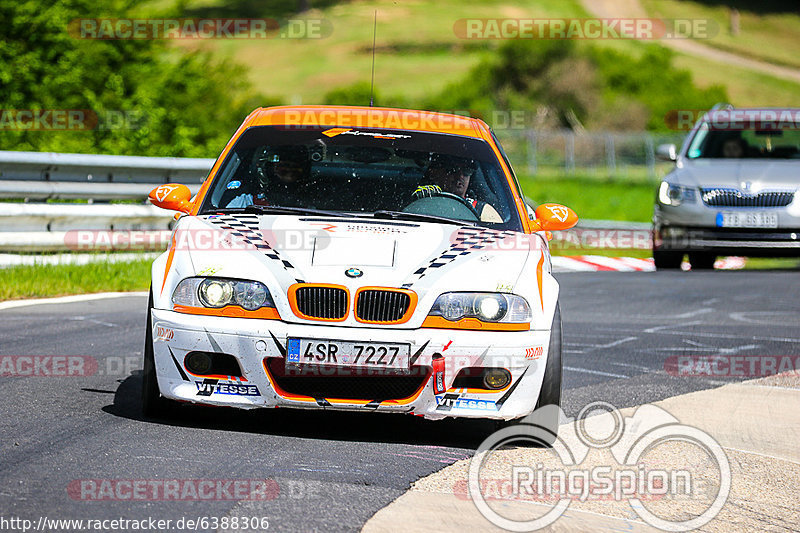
(752,174)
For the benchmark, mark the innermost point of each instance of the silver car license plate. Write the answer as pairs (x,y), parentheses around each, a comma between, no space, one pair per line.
(747,219)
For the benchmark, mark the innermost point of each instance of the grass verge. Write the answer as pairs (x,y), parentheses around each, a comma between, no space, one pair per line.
(595,198)
(37,281)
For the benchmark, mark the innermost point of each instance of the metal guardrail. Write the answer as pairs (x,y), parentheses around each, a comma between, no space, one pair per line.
(38,176)
(95,168)
(43,175)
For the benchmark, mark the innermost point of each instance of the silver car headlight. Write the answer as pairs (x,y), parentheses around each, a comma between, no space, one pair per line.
(671,194)
(485,306)
(220,292)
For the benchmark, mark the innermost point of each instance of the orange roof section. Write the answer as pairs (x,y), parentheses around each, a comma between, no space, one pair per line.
(368,117)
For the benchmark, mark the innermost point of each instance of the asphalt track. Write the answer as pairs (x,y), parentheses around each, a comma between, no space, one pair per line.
(333,471)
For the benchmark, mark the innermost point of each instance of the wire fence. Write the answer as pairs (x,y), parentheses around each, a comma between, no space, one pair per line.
(611,154)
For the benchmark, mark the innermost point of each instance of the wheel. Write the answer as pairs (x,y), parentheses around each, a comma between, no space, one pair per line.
(667,260)
(153,404)
(548,405)
(702,260)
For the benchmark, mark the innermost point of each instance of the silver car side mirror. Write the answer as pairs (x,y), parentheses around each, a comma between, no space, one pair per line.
(666,152)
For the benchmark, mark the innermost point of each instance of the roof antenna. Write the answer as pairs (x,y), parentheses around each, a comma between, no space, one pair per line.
(372,81)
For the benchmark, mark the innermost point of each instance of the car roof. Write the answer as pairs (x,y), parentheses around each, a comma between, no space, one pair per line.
(733,112)
(368,118)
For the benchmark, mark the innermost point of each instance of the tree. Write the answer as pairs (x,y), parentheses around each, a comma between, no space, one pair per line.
(150,98)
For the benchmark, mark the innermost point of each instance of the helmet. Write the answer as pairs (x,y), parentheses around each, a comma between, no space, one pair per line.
(281,163)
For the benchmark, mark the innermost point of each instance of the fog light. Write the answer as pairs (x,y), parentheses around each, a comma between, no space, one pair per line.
(198,363)
(496,378)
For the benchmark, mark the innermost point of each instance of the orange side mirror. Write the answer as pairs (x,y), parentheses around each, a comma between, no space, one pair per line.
(172,196)
(554,217)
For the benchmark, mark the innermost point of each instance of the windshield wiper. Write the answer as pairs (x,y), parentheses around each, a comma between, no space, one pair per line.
(399,215)
(279,210)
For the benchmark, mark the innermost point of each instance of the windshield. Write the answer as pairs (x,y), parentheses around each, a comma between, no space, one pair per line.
(365,171)
(736,141)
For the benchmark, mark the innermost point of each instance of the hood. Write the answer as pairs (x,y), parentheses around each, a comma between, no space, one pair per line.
(283,250)
(737,173)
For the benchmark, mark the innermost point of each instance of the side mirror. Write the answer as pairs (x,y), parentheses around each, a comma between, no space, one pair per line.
(173,196)
(666,152)
(554,217)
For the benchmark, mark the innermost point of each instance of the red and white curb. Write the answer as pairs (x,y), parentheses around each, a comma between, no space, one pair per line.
(599,263)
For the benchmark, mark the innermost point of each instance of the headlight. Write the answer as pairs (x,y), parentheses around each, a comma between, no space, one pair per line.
(671,194)
(219,292)
(215,292)
(485,306)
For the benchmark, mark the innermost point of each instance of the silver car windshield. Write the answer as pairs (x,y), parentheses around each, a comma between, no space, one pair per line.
(737,141)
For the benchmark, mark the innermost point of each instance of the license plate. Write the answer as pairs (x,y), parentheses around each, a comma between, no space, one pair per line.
(747,220)
(352,354)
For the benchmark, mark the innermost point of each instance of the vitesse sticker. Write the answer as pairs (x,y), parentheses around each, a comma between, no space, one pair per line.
(455,401)
(210,386)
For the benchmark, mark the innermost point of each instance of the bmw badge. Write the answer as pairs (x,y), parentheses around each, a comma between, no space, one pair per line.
(353,272)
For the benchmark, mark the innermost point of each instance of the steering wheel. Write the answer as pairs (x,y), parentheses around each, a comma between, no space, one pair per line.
(420,203)
(464,201)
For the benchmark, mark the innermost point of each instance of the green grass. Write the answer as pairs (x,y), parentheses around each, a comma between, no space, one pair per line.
(595,198)
(418,51)
(770,37)
(611,252)
(36,281)
(745,87)
(768,263)
(419,54)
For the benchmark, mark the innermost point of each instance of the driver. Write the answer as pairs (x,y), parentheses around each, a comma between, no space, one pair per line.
(452,175)
(279,173)
(734,148)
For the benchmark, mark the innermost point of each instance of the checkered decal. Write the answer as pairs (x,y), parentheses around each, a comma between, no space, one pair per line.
(246,227)
(466,241)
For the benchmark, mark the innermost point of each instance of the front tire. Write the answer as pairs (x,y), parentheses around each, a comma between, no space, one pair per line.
(667,260)
(548,406)
(154,405)
(702,260)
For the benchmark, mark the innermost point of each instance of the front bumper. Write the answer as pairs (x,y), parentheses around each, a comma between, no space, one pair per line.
(259,348)
(752,242)
(695,227)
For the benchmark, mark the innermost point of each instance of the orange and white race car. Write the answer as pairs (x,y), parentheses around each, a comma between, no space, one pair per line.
(362,259)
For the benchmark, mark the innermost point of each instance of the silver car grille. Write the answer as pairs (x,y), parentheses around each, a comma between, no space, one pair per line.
(720,197)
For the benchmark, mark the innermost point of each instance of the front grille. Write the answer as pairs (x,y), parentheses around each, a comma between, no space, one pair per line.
(381,305)
(367,387)
(719,197)
(322,302)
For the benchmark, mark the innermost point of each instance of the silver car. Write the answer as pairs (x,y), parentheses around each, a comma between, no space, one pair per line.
(732,191)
